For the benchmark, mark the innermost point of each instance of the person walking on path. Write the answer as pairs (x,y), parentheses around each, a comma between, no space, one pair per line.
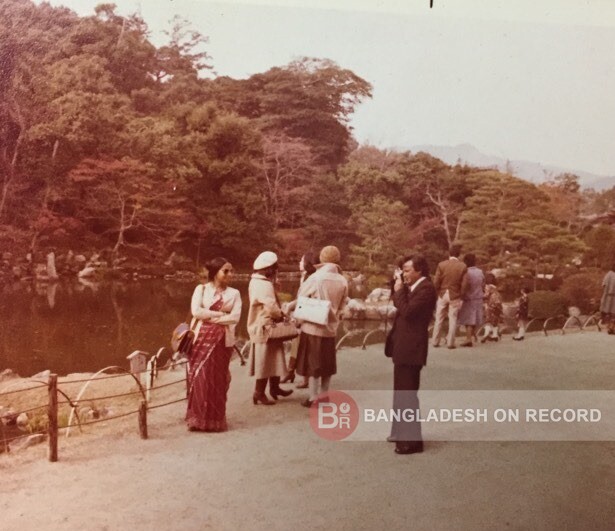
(472,294)
(493,315)
(448,279)
(523,314)
(607,303)
(316,355)
(415,297)
(267,361)
(217,308)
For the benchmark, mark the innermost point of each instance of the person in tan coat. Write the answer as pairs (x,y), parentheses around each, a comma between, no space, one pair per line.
(448,279)
(267,361)
(316,354)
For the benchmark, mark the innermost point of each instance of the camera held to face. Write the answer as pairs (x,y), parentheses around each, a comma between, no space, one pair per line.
(397,275)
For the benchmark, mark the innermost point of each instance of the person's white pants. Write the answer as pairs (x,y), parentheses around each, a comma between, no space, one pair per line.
(446,306)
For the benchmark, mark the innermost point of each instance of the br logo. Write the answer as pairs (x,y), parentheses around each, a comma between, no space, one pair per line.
(334,415)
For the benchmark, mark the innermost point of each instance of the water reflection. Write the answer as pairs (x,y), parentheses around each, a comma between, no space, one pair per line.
(83,326)
(51,294)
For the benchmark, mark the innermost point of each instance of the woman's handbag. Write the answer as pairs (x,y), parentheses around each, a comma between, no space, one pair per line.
(182,339)
(312,310)
(281,331)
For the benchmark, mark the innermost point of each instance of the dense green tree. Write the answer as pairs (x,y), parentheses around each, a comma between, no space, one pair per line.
(310,99)
(109,142)
(128,204)
(382,227)
(565,200)
(508,223)
(600,241)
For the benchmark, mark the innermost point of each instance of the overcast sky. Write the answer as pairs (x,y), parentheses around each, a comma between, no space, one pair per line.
(532,80)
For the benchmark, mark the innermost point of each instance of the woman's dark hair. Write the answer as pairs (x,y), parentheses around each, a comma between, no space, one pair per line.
(309,261)
(214,265)
(526,290)
(469,259)
(270,271)
(490,279)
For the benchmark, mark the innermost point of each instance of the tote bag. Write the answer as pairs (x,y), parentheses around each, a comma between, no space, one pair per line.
(312,310)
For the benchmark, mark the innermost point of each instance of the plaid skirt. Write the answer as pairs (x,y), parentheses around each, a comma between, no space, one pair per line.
(316,356)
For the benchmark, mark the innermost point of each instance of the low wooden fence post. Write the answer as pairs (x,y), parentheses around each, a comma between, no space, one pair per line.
(52,413)
(143,419)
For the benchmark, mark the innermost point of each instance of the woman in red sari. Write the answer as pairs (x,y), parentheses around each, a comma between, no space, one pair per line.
(217,308)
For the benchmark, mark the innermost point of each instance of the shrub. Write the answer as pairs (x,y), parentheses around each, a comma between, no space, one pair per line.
(544,304)
(583,290)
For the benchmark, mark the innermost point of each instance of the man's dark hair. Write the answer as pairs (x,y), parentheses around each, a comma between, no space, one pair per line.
(470,259)
(420,265)
(490,279)
(455,250)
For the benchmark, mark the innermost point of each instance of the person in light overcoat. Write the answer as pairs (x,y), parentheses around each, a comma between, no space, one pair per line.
(267,360)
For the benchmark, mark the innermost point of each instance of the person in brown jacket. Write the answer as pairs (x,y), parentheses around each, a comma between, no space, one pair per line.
(448,279)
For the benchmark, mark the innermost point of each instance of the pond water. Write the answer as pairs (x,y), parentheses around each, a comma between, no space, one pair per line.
(75,326)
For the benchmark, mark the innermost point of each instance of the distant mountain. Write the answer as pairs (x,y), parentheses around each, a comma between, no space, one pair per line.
(530,171)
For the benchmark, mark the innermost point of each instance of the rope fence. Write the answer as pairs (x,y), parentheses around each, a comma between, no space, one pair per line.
(73,403)
(168,403)
(53,405)
(53,390)
(105,419)
(23,390)
(6,441)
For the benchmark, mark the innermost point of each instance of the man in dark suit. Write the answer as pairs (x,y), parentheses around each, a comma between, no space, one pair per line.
(415,298)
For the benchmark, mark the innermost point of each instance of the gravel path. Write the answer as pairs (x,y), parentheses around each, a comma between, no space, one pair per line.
(270,471)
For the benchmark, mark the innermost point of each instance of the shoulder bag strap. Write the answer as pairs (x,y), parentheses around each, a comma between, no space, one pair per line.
(194,320)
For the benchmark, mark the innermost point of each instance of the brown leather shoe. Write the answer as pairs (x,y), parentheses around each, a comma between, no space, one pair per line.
(262,398)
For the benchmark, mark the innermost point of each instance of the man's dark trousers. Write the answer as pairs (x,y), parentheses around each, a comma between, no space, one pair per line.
(406,379)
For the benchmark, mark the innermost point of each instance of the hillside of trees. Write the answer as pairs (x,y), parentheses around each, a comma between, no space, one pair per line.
(110,144)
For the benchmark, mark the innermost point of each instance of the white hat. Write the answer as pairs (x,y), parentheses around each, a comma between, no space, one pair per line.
(265,259)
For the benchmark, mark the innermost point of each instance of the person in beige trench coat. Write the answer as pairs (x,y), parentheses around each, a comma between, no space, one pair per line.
(267,360)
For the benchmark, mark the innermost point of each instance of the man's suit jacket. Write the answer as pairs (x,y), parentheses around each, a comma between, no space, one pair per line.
(408,340)
(449,275)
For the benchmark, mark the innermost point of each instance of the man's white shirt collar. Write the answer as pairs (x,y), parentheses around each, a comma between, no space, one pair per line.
(413,287)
